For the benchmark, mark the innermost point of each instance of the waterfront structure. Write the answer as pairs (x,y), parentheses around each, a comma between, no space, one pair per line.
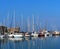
(3,30)
(14,30)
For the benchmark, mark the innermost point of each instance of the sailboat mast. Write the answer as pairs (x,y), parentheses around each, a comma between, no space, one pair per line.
(45,25)
(33,24)
(8,19)
(28,23)
(14,19)
(22,22)
(37,24)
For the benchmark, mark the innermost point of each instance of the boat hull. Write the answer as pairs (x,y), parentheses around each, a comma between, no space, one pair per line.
(15,36)
(41,35)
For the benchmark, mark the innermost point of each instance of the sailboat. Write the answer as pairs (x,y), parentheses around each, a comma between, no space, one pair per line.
(15,35)
(27,34)
(34,34)
(44,32)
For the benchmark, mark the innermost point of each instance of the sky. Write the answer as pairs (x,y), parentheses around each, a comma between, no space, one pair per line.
(46,14)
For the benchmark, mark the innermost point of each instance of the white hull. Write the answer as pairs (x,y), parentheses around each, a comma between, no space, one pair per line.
(10,35)
(15,35)
(18,36)
(34,35)
(47,34)
(1,36)
(27,35)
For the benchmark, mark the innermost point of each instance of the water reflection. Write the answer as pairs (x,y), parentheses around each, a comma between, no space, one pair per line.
(30,43)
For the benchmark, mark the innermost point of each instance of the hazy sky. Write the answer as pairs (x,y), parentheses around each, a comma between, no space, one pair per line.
(45,12)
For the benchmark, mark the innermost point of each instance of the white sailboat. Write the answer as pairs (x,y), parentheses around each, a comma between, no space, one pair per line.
(34,34)
(15,35)
(27,34)
(46,33)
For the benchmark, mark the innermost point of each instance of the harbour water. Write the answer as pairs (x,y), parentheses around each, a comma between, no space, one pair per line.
(31,43)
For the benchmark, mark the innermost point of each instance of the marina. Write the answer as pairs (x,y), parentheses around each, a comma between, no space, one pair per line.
(29,24)
(21,35)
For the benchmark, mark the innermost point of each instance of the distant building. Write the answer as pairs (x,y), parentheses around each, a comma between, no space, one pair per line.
(3,29)
(14,30)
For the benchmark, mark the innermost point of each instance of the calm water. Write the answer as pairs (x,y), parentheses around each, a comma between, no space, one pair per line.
(31,43)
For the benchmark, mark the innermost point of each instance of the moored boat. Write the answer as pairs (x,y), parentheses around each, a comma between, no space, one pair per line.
(27,34)
(55,33)
(1,36)
(41,35)
(34,34)
(15,35)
